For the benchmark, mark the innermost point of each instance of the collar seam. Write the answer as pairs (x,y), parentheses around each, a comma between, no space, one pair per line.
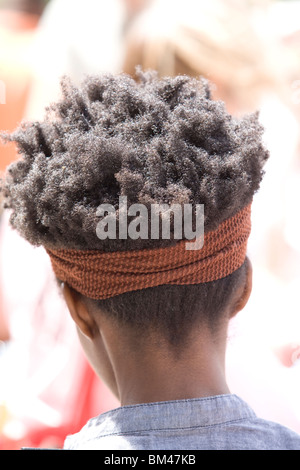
(175,429)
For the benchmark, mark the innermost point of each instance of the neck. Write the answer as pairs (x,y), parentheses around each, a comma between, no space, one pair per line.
(156,373)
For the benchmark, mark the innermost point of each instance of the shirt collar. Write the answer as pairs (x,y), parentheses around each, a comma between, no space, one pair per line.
(168,415)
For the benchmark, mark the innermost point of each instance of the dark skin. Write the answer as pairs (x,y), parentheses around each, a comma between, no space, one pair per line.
(145,370)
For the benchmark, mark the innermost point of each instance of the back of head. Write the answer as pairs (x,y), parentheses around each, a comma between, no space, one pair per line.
(154,141)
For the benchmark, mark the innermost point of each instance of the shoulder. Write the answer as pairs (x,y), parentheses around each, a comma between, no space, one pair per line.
(267,435)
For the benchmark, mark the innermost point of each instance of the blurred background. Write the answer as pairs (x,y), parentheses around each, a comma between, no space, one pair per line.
(250,51)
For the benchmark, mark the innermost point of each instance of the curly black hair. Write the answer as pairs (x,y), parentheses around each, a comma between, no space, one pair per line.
(154,141)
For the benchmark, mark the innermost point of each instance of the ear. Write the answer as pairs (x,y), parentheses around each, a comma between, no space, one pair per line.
(79,311)
(246,290)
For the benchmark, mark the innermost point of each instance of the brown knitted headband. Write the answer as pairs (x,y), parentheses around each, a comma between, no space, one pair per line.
(100,275)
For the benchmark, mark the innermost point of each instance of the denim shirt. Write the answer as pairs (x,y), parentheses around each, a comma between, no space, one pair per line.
(223,422)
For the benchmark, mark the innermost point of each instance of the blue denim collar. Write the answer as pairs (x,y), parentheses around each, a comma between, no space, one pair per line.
(178,414)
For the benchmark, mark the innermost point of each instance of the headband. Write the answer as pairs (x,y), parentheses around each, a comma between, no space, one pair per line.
(100,275)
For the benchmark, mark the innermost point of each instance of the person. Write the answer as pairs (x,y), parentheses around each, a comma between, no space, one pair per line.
(97,48)
(237,46)
(151,310)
